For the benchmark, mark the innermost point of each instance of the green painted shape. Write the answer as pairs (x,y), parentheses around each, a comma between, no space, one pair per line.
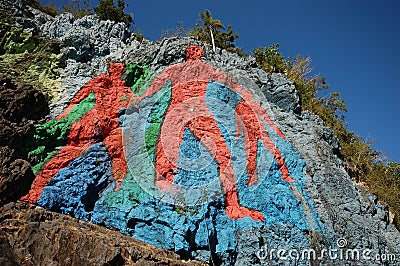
(124,99)
(136,75)
(139,78)
(145,85)
(142,165)
(128,195)
(156,117)
(48,138)
(134,187)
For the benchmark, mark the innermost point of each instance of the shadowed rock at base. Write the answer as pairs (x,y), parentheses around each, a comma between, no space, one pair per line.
(56,239)
(20,107)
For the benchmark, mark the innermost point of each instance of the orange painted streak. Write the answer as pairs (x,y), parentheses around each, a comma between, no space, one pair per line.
(186,104)
(234,211)
(62,159)
(255,130)
(100,123)
(206,129)
(278,157)
(188,109)
(248,98)
(115,149)
(251,136)
(195,70)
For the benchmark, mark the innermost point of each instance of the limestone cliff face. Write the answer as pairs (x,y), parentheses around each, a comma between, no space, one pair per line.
(197,152)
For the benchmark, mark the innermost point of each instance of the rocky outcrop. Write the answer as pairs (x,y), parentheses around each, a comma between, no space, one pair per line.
(20,107)
(34,236)
(86,38)
(26,17)
(87,44)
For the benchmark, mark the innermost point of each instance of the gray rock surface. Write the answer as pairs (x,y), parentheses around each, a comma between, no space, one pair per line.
(27,17)
(86,38)
(88,45)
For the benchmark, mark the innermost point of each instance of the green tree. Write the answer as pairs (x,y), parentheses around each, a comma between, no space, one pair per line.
(364,164)
(269,58)
(331,108)
(212,31)
(107,10)
(206,27)
(394,169)
(51,9)
(228,41)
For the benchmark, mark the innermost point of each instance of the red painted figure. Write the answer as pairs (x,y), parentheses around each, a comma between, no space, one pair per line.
(188,109)
(100,123)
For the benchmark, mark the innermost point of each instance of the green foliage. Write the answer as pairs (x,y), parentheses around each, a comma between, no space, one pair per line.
(269,58)
(78,8)
(212,31)
(28,58)
(365,165)
(137,32)
(6,16)
(393,169)
(107,10)
(330,108)
(381,179)
(51,9)
(207,28)
(139,37)
(16,41)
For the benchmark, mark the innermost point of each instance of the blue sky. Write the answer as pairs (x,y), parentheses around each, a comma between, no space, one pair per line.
(354,43)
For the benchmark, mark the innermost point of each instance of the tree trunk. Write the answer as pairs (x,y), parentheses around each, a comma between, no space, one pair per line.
(212,39)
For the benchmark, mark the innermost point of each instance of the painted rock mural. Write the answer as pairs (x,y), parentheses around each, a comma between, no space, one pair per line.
(194,150)
(186,148)
(183,159)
